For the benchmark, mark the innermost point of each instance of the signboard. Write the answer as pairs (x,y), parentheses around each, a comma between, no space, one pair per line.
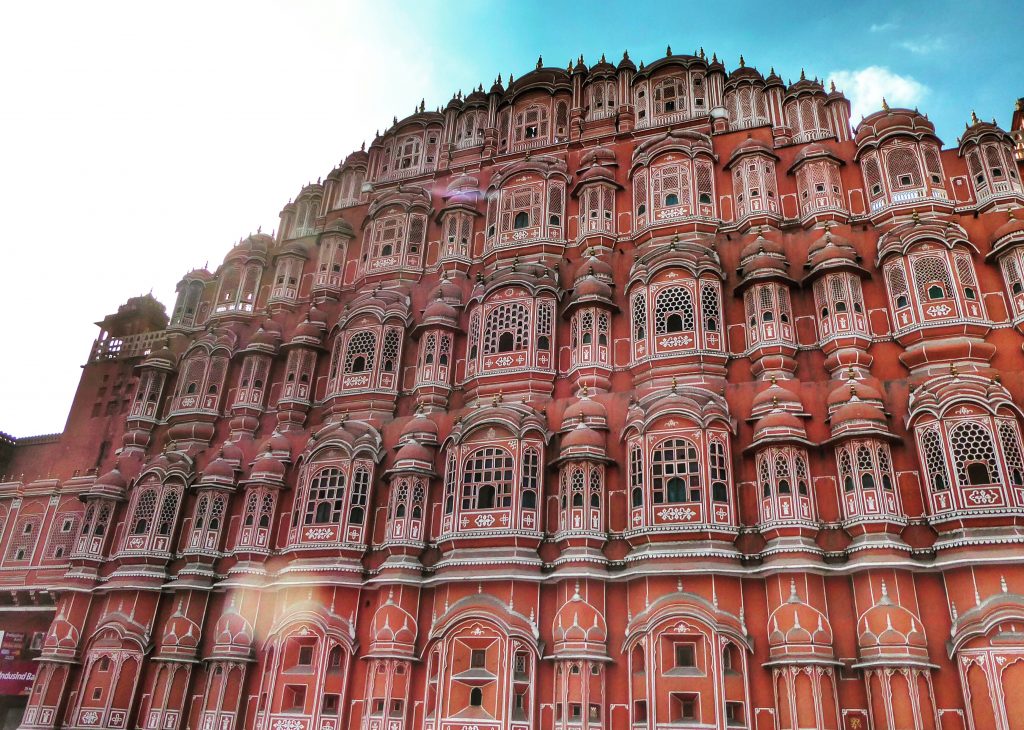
(16,677)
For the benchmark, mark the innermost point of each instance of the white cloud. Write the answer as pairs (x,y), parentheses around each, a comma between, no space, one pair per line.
(883,27)
(866,87)
(924,46)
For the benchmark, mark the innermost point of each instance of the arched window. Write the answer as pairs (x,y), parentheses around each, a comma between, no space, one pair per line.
(487,479)
(360,352)
(974,456)
(673,311)
(522,220)
(326,499)
(675,472)
(508,321)
(935,460)
(636,476)
(670,96)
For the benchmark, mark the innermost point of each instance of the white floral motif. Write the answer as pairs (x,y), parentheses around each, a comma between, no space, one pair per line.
(90,718)
(319,533)
(484,520)
(939,310)
(287,725)
(984,496)
(677,513)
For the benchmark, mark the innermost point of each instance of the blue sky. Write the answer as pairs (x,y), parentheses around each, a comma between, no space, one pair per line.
(141,139)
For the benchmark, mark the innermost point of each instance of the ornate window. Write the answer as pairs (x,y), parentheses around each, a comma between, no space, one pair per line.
(306,211)
(469,128)
(685,316)
(287,275)
(435,358)
(670,100)
(943,287)
(330,262)
(807,118)
(993,170)
(147,395)
(580,495)
(1012,264)
(95,525)
(331,506)
(257,519)
(755,186)
(769,315)
(902,171)
(601,100)
(597,209)
(517,334)
(394,241)
(298,376)
(680,479)
(839,305)
(971,461)
(200,381)
(365,359)
(530,209)
(252,380)
(239,285)
(867,482)
(531,127)
(406,509)
(819,187)
(186,307)
(747,107)
(784,486)
(23,540)
(493,485)
(457,227)
(590,337)
(677,187)
(153,515)
(349,187)
(207,521)
(409,155)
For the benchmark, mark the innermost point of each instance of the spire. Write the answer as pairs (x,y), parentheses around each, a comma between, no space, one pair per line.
(743,62)
(540,62)
(803,76)
(668,51)
(974,117)
(885,104)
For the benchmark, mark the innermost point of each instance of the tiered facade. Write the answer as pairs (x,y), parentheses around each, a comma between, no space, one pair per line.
(616,397)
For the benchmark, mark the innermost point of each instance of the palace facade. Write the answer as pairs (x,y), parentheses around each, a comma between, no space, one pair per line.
(613,397)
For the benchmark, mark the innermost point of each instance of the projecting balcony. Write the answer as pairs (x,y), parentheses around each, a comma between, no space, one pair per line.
(811,135)
(123,348)
(661,120)
(750,123)
(469,143)
(998,190)
(907,196)
(404,173)
(529,144)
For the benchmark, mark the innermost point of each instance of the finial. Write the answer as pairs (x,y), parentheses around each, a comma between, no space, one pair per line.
(625,57)
(714,57)
(1002,584)
(602,59)
(916,217)
(803,76)
(540,62)
(668,51)
(885,104)
(832,86)
(673,385)
(568,67)
(701,53)
(743,62)
(974,117)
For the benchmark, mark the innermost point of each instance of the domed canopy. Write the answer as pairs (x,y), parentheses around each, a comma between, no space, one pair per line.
(585,411)
(420,429)
(882,124)
(1010,233)
(579,629)
(798,630)
(393,631)
(889,632)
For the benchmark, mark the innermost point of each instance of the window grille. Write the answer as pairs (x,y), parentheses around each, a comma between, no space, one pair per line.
(487,479)
(359,355)
(145,508)
(639,317)
(326,499)
(873,177)
(673,311)
(640,199)
(974,456)
(389,353)
(710,307)
(675,472)
(928,271)
(935,460)
(1009,440)
(511,319)
(904,168)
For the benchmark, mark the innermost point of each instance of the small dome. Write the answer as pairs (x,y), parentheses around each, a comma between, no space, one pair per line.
(579,626)
(582,437)
(421,429)
(798,628)
(267,467)
(1012,230)
(887,629)
(857,412)
(233,635)
(413,451)
(775,396)
(220,469)
(591,288)
(842,393)
(762,245)
(873,127)
(626,62)
(749,146)
(161,357)
(585,410)
(392,625)
(439,309)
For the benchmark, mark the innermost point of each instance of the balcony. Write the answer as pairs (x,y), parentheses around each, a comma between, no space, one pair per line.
(662,120)
(906,196)
(529,144)
(407,172)
(998,190)
(124,348)
(469,142)
(811,135)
